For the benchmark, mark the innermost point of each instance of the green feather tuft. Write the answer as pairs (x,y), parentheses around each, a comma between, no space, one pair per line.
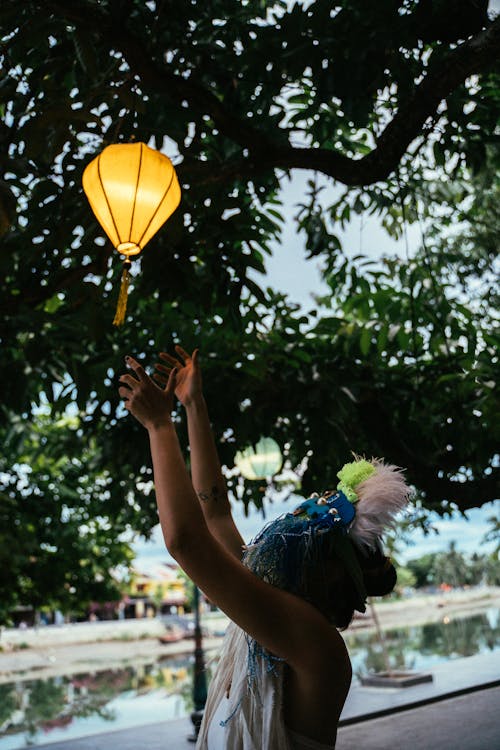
(351,475)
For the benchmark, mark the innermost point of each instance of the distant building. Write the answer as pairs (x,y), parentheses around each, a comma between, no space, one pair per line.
(154,589)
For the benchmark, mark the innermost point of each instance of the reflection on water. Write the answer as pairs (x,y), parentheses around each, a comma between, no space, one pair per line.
(422,646)
(36,712)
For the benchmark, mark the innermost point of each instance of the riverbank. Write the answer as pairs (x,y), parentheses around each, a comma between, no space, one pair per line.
(428,608)
(92,647)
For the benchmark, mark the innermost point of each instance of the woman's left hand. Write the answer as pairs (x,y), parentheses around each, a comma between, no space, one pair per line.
(188,388)
(150,404)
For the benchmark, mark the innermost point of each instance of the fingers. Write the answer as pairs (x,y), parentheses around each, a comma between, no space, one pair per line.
(144,398)
(160,379)
(170,387)
(195,357)
(128,380)
(136,367)
(185,356)
(165,379)
(172,361)
(162,368)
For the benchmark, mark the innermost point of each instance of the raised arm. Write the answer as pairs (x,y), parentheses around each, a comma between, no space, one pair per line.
(206,474)
(279,621)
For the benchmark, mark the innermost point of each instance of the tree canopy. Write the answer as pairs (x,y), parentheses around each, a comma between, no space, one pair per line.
(395,103)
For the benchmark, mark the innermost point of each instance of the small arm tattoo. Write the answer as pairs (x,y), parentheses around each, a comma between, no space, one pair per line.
(213,495)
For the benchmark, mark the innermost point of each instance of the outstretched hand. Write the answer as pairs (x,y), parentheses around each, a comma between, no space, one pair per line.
(150,404)
(188,386)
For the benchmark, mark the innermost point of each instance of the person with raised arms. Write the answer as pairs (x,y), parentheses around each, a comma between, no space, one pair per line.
(284,672)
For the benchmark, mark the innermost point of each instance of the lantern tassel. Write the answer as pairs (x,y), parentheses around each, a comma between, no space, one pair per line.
(121,306)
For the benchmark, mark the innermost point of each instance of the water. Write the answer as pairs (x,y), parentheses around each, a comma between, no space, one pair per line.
(423,646)
(38,712)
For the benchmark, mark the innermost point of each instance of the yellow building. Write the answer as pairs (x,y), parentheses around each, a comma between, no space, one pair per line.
(157,588)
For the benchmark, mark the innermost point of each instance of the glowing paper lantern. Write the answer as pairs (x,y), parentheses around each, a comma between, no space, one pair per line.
(263,462)
(132,190)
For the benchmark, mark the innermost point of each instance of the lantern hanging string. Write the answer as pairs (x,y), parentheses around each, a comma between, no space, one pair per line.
(121,306)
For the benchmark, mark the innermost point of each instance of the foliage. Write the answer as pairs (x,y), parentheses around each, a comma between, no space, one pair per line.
(454,569)
(61,522)
(493,534)
(422,569)
(450,568)
(398,102)
(406,579)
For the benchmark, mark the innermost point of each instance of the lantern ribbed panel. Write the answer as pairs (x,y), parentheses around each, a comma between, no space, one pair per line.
(96,195)
(132,190)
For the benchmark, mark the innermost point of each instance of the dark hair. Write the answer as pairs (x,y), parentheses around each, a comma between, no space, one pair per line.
(379,574)
(340,599)
(288,555)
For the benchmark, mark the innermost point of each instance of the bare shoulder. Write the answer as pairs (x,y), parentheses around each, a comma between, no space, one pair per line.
(328,670)
(314,697)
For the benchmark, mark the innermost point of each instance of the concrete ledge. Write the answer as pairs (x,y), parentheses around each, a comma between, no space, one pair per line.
(461,723)
(396,679)
(395,709)
(451,678)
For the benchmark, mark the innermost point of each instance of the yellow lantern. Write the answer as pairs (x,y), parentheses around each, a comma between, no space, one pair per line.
(132,190)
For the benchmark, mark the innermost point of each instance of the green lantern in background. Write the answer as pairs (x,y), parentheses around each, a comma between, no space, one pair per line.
(261,462)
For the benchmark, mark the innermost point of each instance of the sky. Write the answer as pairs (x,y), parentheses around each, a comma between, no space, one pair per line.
(467,534)
(289,271)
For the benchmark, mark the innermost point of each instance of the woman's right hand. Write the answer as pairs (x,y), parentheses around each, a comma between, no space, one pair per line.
(188,380)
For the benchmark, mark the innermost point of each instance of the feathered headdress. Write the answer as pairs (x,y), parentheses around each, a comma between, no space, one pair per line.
(379,492)
(368,497)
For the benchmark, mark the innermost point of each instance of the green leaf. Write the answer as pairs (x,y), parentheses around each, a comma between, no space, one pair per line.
(364,341)
(53,304)
(382,338)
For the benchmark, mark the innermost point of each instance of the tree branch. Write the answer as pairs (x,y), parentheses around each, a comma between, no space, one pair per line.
(64,280)
(444,76)
(471,57)
(466,495)
(471,493)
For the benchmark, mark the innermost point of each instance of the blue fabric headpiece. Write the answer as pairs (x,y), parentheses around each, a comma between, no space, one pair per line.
(328,511)
(292,550)
(291,547)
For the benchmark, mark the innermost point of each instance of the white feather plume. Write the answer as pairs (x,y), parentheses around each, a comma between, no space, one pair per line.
(381,497)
